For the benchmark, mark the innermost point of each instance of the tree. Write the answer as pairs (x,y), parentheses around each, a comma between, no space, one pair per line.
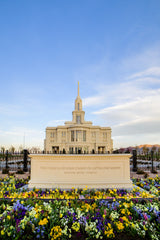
(144,149)
(12,149)
(3,149)
(147,152)
(154,148)
(158,152)
(35,150)
(20,148)
(137,149)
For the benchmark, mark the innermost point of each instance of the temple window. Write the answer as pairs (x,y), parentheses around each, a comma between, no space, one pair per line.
(104,135)
(84,136)
(63,134)
(78,136)
(52,134)
(78,119)
(72,136)
(93,134)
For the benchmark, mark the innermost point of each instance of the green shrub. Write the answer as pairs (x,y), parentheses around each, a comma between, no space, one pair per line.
(154,171)
(146,175)
(140,171)
(5,171)
(20,171)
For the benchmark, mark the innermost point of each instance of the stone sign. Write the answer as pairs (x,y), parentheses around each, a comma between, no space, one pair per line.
(78,171)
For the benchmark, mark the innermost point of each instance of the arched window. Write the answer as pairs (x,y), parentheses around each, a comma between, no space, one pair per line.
(78,106)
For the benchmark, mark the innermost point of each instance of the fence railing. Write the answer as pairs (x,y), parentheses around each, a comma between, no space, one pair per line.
(15,162)
(20,162)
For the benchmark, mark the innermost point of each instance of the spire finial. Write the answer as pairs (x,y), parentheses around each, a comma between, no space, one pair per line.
(78,88)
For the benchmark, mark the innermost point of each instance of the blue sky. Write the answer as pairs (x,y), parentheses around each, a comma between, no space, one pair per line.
(111,47)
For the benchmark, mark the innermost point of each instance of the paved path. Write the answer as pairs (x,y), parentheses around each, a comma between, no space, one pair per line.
(20,176)
(135,175)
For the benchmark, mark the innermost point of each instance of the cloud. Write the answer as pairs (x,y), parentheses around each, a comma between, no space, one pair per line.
(12,110)
(154,71)
(137,62)
(114,93)
(92,101)
(130,110)
(136,139)
(20,131)
(131,107)
(55,122)
(26,137)
(138,126)
(141,106)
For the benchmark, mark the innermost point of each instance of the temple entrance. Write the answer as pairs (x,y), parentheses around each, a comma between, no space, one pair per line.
(101,149)
(71,150)
(78,150)
(55,149)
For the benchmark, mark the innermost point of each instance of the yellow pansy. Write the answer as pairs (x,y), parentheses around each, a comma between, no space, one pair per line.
(43,222)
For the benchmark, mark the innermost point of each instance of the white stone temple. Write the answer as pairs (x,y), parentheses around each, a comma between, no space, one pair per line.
(78,135)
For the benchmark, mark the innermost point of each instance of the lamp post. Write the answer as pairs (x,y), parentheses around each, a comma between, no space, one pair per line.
(6,158)
(152,159)
(25,157)
(134,160)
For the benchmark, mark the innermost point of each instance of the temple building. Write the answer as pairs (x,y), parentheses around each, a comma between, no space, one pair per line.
(78,135)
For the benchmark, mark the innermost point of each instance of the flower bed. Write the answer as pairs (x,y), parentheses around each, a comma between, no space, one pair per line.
(75,219)
(84,214)
(10,189)
(150,184)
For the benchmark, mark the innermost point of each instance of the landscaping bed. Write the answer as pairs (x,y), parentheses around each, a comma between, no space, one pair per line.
(78,213)
(152,185)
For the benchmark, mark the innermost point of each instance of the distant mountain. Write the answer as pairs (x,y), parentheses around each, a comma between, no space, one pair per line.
(139,148)
(149,145)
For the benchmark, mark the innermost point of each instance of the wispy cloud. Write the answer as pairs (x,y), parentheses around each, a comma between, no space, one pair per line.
(122,93)
(141,106)
(55,122)
(26,137)
(153,72)
(12,110)
(131,105)
(148,58)
(93,101)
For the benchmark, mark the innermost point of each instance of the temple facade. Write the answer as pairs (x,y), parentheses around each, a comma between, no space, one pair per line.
(78,136)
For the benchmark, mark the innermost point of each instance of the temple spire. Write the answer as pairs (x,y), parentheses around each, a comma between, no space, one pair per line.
(78,101)
(78,88)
